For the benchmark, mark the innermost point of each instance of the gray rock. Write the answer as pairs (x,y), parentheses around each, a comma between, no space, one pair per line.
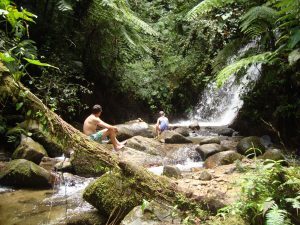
(222,158)
(209,149)
(134,128)
(140,158)
(250,146)
(24,173)
(184,131)
(148,145)
(30,150)
(172,171)
(173,137)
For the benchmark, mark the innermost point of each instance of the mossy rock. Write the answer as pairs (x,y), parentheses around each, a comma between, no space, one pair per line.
(30,150)
(250,146)
(24,173)
(53,146)
(113,194)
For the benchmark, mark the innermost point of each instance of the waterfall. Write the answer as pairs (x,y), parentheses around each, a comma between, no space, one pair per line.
(219,106)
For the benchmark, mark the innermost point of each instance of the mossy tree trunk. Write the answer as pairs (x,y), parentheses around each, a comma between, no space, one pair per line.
(92,158)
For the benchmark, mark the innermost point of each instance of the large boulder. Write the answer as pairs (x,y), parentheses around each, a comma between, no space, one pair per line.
(113,195)
(24,173)
(184,131)
(53,146)
(144,144)
(30,150)
(250,146)
(222,158)
(173,137)
(154,214)
(207,150)
(140,158)
(134,128)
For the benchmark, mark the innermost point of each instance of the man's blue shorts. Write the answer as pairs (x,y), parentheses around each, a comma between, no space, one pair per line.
(97,137)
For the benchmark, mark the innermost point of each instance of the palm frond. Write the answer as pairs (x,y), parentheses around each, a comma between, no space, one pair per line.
(206,6)
(257,20)
(233,68)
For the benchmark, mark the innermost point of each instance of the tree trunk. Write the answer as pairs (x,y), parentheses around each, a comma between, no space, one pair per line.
(91,158)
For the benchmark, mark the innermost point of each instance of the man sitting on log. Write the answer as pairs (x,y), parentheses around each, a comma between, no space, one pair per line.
(90,128)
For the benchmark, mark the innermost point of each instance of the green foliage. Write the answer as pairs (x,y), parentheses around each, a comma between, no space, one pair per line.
(270,194)
(206,6)
(18,53)
(258,20)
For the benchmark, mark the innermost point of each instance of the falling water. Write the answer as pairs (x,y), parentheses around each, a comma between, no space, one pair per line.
(219,106)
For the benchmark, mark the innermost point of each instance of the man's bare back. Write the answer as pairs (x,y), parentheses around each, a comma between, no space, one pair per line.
(90,124)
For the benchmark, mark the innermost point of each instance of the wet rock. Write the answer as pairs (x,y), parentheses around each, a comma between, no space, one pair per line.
(204,175)
(273,154)
(184,131)
(209,149)
(251,146)
(222,158)
(24,173)
(30,150)
(147,145)
(174,137)
(172,171)
(134,128)
(154,214)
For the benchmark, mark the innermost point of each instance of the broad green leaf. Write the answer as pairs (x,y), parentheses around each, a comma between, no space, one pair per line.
(5,57)
(294,39)
(38,63)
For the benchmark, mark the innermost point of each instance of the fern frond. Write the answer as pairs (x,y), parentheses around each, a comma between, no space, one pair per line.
(276,216)
(257,20)
(295,202)
(206,6)
(233,68)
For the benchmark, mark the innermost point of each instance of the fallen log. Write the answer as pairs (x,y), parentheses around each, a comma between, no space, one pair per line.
(93,159)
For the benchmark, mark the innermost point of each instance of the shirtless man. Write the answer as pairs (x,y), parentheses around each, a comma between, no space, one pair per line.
(162,123)
(90,126)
